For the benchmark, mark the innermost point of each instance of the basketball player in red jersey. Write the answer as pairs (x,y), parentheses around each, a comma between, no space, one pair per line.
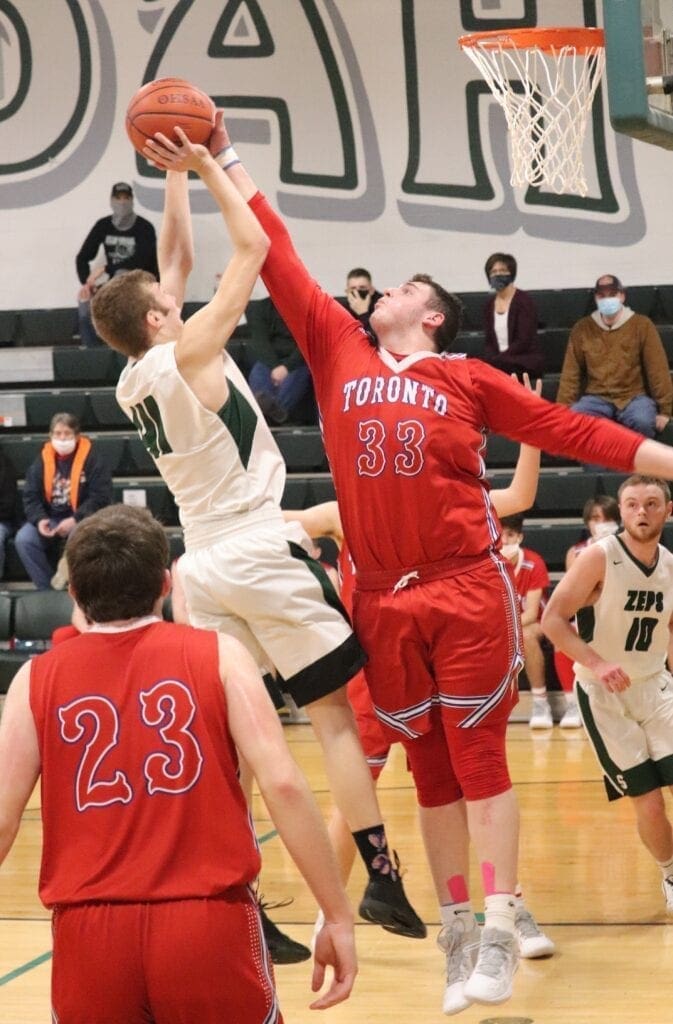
(148,848)
(245,571)
(405,427)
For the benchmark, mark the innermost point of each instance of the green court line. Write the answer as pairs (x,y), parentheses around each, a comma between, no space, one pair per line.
(267,835)
(18,971)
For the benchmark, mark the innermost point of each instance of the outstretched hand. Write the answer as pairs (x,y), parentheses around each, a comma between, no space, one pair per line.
(183,155)
(526,382)
(334,947)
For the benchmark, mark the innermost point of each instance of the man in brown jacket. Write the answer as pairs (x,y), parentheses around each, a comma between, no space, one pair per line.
(615,364)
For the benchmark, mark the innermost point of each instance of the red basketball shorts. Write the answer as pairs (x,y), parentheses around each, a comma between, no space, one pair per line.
(453,643)
(175,962)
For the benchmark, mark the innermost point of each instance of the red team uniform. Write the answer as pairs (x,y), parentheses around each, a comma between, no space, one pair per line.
(434,607)
(375,744)
(530,573)
(147,836)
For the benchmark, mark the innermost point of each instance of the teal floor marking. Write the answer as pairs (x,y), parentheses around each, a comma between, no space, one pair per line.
(18,971)
(267,835)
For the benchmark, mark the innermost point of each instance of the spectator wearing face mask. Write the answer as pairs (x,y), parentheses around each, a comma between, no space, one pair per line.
(67,482)
(510,321)
(615,364)
(129,243)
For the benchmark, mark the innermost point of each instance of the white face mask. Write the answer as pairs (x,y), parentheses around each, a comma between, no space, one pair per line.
(510,551)
(64,446)
(599,530)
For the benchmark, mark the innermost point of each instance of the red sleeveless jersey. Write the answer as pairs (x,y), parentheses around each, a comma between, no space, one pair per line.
(140,792)
(406,437)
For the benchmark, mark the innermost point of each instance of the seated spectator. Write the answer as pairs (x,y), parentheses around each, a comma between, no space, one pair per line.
(361,296)
(279,377)
(510,321)
(8,494)
(67,482)
(130,243)
(615,364)
(601,518)
(532,583)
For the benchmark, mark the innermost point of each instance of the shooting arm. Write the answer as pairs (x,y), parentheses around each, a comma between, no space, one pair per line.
(176,245)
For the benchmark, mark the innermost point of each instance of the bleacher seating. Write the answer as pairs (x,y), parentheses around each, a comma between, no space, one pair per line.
(42,371)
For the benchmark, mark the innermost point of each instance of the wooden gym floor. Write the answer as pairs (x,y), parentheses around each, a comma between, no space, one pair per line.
(586,877)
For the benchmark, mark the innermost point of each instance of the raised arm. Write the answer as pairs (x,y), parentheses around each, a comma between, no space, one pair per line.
(258,734)
(198,351)
(520,494)
(176,244)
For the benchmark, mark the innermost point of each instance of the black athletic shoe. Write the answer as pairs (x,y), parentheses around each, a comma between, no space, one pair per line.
(385,903)
(282,949)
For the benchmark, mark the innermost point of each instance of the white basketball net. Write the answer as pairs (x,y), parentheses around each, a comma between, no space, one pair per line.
(547,118)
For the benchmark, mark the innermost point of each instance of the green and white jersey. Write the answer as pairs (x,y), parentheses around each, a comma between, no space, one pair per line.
(629,622)
(223,468)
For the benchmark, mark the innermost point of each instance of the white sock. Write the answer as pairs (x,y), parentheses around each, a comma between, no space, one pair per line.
(666,867)
(450,912)
(499,911)
(539,692)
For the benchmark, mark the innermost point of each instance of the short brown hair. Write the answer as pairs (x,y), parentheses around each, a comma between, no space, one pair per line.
(636,479)
(117,559)
(119,310)
(606,503)
(68,419)
(448,304)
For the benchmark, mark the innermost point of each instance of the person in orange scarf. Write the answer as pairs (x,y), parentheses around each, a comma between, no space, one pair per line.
(67,482)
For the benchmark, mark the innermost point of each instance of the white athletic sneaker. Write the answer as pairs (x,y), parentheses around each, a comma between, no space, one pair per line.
(541,715)
(533,942)
(461,948)
(667,889)
(571,718)
(491,979)
(295,716)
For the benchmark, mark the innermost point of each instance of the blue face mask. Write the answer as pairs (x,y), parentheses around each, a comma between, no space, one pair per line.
(500,281)
(610,305)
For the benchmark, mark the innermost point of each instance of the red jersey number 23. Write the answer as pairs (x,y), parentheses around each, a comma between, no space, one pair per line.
(168,709)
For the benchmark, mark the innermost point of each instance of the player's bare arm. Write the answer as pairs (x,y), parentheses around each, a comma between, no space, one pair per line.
(199,348)
(319,521)
(579,588)
(257,732)
(19,758)
(175,248)
(532,609)
(519,495)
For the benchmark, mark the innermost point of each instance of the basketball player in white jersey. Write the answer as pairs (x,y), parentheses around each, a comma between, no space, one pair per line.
(245,571)
(622,589)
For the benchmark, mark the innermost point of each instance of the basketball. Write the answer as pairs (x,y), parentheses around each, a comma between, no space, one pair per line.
(166,103)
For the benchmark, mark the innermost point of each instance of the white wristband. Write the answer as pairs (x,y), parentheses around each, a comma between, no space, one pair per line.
(227,158)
